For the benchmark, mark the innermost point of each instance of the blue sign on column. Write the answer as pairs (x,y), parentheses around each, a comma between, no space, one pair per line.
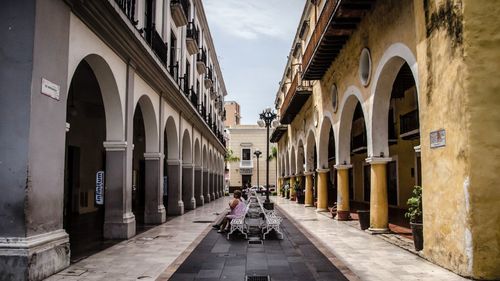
(99,188)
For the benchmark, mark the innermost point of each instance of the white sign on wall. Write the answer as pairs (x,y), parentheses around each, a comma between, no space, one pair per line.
(50,89)
(438,138)
(99,188)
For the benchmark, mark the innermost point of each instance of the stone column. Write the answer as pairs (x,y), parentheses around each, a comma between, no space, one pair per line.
(292,188)
(198,186)
(379,206)
(216,184)
(309,200)
(188,186)
(343,209)
(175,204)
(119,221)
(278,186)
(322,205)
(154,211)
(206,186)
(212,185)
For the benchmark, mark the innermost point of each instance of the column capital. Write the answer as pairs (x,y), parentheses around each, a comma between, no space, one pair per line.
(308,173)
(174,162)
(322,170)
(378,160)
(188,165)
(153,155)
(115,145)
(343,166)
(299,174)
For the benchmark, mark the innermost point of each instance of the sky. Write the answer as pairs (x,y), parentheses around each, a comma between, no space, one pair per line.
(252,41)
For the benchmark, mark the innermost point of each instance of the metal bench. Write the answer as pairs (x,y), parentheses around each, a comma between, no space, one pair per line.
(272,221)
(239,224)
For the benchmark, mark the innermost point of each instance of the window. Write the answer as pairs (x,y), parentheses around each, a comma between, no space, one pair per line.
(392,183)
(246,154)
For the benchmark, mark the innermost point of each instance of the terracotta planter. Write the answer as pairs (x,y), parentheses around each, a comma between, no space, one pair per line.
(418,235)
(364,219)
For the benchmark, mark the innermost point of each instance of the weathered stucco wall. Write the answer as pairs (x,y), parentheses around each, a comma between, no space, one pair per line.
(482,86)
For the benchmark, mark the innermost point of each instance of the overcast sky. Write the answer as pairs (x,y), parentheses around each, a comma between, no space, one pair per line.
(252,40)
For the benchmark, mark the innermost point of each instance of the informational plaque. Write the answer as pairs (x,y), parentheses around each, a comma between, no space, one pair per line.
(99,188)
(438,138)
(50,89)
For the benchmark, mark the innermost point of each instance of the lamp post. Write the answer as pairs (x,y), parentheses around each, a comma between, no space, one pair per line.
(266,119)
(257,154)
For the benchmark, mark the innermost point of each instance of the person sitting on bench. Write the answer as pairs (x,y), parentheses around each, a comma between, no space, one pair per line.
(237,210)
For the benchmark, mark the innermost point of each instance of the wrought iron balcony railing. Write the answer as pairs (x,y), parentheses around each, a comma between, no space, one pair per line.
(159,47)
(128,8)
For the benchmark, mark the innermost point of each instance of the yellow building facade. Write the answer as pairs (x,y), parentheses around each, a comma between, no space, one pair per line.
(380,96)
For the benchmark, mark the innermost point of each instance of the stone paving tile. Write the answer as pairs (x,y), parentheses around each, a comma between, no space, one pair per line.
(136,257)
(293,258)
(368,256)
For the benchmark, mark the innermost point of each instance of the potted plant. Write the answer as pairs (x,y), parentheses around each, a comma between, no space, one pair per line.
(287,191)
(299,192)
(414,213)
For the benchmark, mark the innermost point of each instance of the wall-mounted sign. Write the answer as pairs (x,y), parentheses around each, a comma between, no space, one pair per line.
(99,188)
(50,89)
(438,138)
(246,171)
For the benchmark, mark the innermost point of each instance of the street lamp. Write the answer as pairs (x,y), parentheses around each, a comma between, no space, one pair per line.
(257,154)
(266,119)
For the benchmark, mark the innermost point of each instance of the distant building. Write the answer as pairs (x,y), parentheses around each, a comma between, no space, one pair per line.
(244,140)
(233,116)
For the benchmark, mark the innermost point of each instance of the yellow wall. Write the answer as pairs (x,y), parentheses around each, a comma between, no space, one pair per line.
(482,57)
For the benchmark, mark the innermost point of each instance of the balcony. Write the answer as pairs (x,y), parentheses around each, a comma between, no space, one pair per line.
(128,8)
(180,11)
(246,163)
(192,37)
(201,62)
(337,21)
(358,144)
(409,125)
(208,78)
(159,47)
(295,98)
(278,133)
(202,110)
(194,98)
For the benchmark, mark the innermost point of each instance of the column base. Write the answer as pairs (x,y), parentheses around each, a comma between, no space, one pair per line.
(176,210)
(308,205)
(120,230)
(156,217)
(191,205)
(35,257)
(321,210)
(201,201)
(343,215)
(207,198)
(374,231)
(213,196)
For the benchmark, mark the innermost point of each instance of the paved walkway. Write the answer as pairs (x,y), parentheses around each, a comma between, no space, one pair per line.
(149,254)
(368,256)
(294,258)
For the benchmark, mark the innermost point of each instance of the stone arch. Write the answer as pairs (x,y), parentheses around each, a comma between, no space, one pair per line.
(115,125)
(150,123)
(293,162)
(197,153)
(324,134)
(172,139)
(310,145)
(187,155)
(387,69)
(301,160)
(205,156)
(350,99)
